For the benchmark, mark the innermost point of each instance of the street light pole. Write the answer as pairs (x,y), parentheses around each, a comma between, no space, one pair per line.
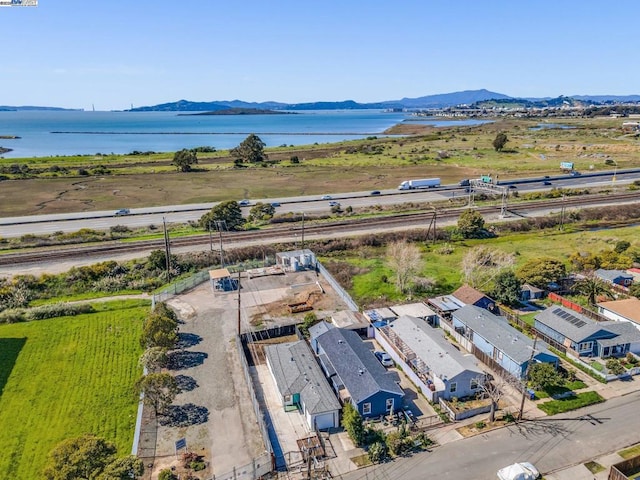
(526,375)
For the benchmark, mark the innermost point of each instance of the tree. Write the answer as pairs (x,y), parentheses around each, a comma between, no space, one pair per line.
(500,141)
(481,265)
(160,328)
(251,150)
(405,260)
(471,224)
(183,159)
(621,246)
(159,389)
(125,468)
(543,376)
(261,211)
(228,212)
(539,272)
(634,290)
(592,287)
(352,423)
(507,288)
(153,358)
(83,457)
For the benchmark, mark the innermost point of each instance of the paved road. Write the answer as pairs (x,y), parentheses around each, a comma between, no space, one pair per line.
(142,217)
(550,443)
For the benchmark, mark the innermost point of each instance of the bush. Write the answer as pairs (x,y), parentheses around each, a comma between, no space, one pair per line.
(378,452)
(166,474)
(58,310)
(13,316)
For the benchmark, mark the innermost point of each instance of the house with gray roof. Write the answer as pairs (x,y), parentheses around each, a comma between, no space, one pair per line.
(301,383)
(584,337)
(430,360)
(445,305)
(356,375)
(417,310)
(492,336)
(615,277)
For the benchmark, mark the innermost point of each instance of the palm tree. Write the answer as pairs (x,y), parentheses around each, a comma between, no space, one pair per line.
(591,287)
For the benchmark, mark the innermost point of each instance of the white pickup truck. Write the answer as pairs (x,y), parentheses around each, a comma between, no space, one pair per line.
(519,471)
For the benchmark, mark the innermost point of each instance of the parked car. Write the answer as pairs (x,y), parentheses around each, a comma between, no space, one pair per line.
(384,358)
(122,211)
(244,203)
(326,197)
(275,204)
(333,203)
(519,471)
(375,192)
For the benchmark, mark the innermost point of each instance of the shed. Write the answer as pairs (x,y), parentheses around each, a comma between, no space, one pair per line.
(350,320)
(296,260)
(221,280)
(380,315)
(445,305)
(529,292)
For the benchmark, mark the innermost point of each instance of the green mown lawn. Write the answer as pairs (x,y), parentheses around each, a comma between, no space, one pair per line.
(63,377)
(572,403)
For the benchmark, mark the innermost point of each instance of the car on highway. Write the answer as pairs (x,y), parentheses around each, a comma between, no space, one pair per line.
(244,203)
(512,186)
(333,203)
(326,197)
(122,211)
(547,182)
(575,173)
(384,358)
(275,204)
(375,192)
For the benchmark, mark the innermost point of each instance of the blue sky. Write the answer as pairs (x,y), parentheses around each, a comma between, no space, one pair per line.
(113,53)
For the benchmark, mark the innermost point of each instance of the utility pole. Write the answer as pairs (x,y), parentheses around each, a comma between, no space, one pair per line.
(302,231)
(526,376)
(219,224)
(210,237)
(239,310)
(562,214)
(167,248)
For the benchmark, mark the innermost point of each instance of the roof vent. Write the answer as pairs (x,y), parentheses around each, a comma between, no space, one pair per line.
(360,371)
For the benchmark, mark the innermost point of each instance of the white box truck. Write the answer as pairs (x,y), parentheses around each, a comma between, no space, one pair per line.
(420,183)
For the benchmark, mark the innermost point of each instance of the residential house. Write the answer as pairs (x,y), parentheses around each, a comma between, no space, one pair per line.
(492,339)
(627,310)
(430,360)
(584,337)
(615,277)
(445,305)
(356,375)
(301,383)
(470,296)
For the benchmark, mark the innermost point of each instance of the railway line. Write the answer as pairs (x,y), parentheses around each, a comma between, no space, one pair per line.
(285,232)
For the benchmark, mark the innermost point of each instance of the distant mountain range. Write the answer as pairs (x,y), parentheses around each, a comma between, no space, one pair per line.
(479,98)
(6,108)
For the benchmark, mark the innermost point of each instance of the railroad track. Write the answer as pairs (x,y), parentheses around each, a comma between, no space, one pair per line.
(286,231)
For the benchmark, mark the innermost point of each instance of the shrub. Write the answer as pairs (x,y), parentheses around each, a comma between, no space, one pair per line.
(58,310)
(166,474)
(13,316)
(378,452)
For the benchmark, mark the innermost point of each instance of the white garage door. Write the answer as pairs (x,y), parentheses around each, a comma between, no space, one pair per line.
(325,421)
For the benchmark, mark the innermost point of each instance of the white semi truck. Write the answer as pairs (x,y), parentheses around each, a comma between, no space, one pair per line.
(420,183)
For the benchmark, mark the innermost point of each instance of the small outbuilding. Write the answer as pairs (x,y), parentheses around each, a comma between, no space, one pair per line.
(221,280)
(417,310)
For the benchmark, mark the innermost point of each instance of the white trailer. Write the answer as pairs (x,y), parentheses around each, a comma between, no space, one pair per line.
(420,183)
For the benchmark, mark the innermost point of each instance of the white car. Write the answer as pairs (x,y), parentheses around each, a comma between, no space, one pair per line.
(519,471)
(385,359)
(326,197)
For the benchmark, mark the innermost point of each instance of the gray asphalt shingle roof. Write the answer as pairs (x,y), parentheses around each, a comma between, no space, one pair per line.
(355,364)
(578,327)
(497,331)
(296,371)
(432,348)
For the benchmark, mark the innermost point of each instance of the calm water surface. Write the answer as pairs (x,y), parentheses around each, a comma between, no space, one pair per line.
(45,133)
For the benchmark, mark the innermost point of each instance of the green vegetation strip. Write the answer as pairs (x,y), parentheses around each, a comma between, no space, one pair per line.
(630,452)
(572,403)
(63,377)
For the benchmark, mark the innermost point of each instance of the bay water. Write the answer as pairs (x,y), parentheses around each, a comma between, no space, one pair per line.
(59,133)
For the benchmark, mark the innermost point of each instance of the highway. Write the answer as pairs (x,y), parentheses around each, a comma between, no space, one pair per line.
(142,217)
(550,443)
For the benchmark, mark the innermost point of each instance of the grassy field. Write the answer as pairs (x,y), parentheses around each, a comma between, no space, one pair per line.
(67,376)
(369,285)
(53,185)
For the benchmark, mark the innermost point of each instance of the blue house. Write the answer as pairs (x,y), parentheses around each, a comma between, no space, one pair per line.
(356,375)
(585,337)
(616,277)
(494,337)
(468,295)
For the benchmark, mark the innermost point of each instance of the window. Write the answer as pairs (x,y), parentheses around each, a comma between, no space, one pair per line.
(586,346)
(453,387)
(287,399)
(474,384)
(389,405)
(366,408)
